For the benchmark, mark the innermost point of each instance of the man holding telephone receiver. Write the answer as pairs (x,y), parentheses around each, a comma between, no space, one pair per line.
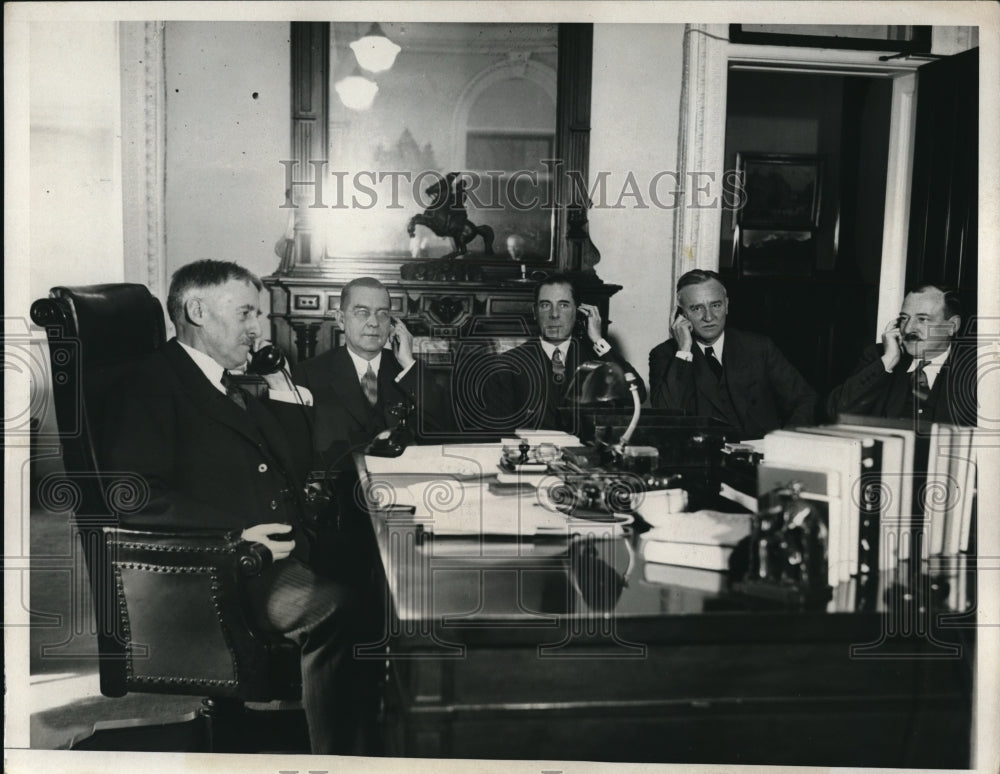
(215,456)
(356,387)
(709,370)
(917,372)
(530,381)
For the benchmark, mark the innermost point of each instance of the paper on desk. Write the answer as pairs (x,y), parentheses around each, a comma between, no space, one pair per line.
(555,437)
(449,507)
(466,460)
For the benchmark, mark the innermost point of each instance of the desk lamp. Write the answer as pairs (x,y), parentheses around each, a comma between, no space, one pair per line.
(605,383)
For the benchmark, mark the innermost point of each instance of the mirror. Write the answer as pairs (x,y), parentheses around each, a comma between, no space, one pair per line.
(478,99)
(496,103)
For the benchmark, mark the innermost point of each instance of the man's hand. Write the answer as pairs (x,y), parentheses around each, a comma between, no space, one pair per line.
(402,344)
(891,338)
(277,382)
(593,315)
(262,533)
(681,330)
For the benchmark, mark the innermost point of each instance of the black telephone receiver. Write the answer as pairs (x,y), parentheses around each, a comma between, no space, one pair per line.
(266,360)
(678,313)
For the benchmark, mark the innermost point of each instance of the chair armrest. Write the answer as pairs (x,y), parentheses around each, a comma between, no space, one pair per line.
(250,558)
(253,558)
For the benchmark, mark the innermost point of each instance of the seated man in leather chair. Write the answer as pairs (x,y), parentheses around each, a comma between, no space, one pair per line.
(215,456)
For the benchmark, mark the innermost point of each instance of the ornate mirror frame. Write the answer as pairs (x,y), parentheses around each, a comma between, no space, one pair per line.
(304,254)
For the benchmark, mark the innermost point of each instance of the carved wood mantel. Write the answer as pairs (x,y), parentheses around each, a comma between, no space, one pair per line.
(439,314)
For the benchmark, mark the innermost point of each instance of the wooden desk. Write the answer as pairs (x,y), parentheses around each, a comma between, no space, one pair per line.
(569,649)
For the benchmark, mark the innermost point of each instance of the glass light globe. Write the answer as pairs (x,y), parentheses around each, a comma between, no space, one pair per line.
(375,52)
(356,92)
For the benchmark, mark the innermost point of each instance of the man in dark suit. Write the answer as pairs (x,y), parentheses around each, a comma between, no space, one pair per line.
(530,382)
(737,377)
(355,388)
(918,371)
(215,456)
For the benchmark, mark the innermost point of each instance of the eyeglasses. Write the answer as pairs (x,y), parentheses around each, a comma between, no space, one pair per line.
(362,313)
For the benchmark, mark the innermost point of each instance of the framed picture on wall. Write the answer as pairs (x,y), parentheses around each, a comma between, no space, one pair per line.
(780,191)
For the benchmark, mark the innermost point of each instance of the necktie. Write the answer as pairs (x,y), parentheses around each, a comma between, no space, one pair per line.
(233,392)
(713,363)
(369,383)
(921,386)
(558,366)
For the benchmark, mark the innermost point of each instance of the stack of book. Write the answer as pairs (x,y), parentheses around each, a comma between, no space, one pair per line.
(694,549)
(867,477)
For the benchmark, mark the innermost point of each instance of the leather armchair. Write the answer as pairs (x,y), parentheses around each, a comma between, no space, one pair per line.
(168,605)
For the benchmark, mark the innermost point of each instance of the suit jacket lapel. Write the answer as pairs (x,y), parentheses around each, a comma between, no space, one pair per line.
(574,357)
(741,373)
(274,436)
(900,387)
(212,401)
(939,398)
(389,392)
(344,380)
(706,385)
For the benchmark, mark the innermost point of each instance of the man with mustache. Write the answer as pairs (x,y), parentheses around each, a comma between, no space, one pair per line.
(917,372)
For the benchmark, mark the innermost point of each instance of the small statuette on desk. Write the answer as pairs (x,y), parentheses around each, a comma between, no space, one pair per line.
(788,551)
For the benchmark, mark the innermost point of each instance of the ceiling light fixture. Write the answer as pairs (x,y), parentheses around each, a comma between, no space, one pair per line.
(356,91)
(374,51)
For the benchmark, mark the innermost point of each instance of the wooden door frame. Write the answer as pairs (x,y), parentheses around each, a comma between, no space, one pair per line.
(708,58)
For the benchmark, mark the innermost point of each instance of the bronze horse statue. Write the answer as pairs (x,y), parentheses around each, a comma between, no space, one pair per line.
(447,217)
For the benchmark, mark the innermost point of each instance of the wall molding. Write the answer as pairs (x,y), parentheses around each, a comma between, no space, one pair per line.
(144,90)
(701,148)
(708,56)
(899,179)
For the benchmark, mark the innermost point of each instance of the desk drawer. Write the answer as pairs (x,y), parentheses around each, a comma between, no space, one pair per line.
(854,732)
(702,672)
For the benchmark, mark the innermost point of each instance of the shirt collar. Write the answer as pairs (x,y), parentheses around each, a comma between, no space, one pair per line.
(212,370)
(548,347)
(716,346)
(361,365)
(933,364)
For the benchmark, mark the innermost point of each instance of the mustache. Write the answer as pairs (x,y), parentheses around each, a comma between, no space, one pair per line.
(913,337)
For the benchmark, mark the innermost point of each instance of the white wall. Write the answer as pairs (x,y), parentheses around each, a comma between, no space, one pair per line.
(74,187)
(634,125)
(224,182)
(75,160)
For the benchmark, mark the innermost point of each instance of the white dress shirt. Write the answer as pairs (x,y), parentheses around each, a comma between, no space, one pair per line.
(601,347)
(213,372)
(716,349)
(932,367)
(549,349)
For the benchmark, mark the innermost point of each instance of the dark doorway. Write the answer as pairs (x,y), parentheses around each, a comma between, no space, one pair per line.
(815,290)
(942,246)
